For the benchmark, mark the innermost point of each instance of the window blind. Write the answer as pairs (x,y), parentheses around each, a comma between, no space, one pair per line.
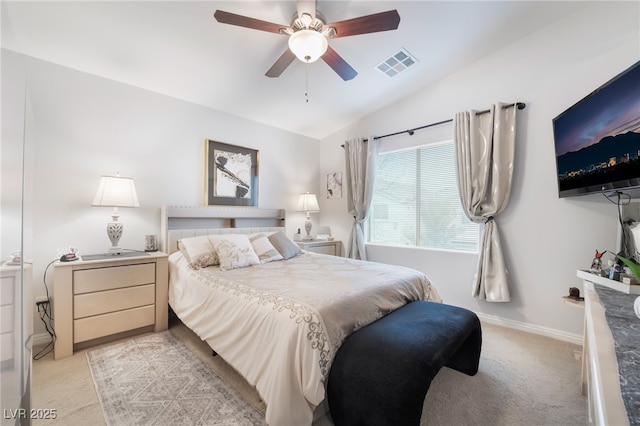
(416,201)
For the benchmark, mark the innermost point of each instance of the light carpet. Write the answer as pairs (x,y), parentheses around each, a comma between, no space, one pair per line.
(524,379)
(156,380)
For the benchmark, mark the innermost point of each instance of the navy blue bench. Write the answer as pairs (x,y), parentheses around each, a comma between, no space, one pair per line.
(382,372)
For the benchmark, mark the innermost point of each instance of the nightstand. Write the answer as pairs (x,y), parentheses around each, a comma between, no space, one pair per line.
(333,248)
(107,297)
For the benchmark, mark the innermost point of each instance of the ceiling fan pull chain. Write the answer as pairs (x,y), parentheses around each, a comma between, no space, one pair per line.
(306,83)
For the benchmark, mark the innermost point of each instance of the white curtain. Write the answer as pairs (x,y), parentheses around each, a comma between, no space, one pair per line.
(485,145)
(360,161)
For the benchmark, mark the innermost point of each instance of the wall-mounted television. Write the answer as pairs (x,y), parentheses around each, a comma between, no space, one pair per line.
(597,140)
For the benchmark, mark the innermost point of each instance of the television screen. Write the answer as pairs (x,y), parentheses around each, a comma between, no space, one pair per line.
(597,140)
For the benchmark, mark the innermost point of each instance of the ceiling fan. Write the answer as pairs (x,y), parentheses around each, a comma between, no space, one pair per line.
(309,34)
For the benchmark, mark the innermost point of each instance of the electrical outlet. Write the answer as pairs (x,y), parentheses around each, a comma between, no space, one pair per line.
(41,300)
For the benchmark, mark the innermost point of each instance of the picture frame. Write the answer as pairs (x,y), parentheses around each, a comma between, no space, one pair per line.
(334,185)
(231,174)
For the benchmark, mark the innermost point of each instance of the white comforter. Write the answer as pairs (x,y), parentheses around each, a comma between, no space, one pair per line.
(280,324)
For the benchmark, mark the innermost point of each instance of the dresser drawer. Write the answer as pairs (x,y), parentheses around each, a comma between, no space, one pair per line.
(103,325)
(7,286)
(328,249)
(90,280)
(333,248)
(101,302)
(7,319)
(7,347)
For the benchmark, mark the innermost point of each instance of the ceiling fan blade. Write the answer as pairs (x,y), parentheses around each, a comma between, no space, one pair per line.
(281,64)
(338,64)
(306,6)
(383,21)
(244,21)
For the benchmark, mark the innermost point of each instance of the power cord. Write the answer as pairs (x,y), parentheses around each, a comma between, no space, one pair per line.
(44,310)
(622,199)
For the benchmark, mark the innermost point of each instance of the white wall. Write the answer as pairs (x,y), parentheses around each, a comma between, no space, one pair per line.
(11,160)
(545,238)
(85,126)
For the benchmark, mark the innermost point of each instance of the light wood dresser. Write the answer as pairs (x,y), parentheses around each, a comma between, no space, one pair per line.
(108,297)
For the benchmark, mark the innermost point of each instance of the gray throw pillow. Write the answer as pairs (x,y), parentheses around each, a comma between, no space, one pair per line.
(284,245)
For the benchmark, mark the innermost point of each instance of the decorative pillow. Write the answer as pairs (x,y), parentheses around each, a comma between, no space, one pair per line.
(198,251)
(264,249)
(284,245)
(234,251)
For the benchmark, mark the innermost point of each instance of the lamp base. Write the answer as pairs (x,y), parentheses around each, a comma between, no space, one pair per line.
(307,227)
(114,231)
(114,251)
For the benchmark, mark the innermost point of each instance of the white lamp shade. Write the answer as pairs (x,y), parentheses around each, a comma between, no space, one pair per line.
(308,203)
(116,191)
(308,45)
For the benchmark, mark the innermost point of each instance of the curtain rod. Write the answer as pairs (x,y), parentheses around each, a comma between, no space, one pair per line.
(519,105)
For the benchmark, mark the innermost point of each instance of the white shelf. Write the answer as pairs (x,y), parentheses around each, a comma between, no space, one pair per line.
(616,285)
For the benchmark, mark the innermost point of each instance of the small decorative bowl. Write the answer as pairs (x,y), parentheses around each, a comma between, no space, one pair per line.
(330,238)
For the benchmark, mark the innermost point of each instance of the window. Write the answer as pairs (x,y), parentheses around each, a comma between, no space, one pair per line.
(416,201)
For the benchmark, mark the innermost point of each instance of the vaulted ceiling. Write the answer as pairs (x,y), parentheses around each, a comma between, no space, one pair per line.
(177,48)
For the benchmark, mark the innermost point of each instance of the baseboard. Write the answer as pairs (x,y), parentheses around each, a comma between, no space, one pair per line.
(530,328)
(41,339)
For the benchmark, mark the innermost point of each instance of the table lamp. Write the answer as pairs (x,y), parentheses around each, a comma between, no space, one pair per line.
(308,203)
(115,191)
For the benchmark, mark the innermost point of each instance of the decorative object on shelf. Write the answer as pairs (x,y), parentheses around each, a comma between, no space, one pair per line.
(232,175)
(297,236)
(615,272)
(633,266)
(15,259)
(115,191)
(596,263)
(151,243)
(68,255)
(574,294)
(334,185)
(308,203)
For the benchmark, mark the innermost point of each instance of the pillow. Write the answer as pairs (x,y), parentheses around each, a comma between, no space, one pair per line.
(264,249)
(284,245)
(198,251)
(234,251)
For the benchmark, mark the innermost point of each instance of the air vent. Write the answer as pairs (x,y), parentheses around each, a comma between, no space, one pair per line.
(397,63)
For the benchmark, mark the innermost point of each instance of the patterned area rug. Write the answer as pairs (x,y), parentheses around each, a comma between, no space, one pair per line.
(156,380)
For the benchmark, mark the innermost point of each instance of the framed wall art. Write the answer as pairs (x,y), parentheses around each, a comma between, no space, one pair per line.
(231,174)
(334,185)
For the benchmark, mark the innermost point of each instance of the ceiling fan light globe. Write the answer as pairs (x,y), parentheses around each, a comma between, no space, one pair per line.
(308,45)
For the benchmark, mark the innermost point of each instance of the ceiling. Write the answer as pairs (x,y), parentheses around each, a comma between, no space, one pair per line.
(178,49)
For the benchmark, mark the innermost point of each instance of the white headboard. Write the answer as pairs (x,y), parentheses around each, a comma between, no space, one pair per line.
(206,220)
(175,234)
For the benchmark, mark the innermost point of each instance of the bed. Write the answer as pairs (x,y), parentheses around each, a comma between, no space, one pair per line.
(278,322)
